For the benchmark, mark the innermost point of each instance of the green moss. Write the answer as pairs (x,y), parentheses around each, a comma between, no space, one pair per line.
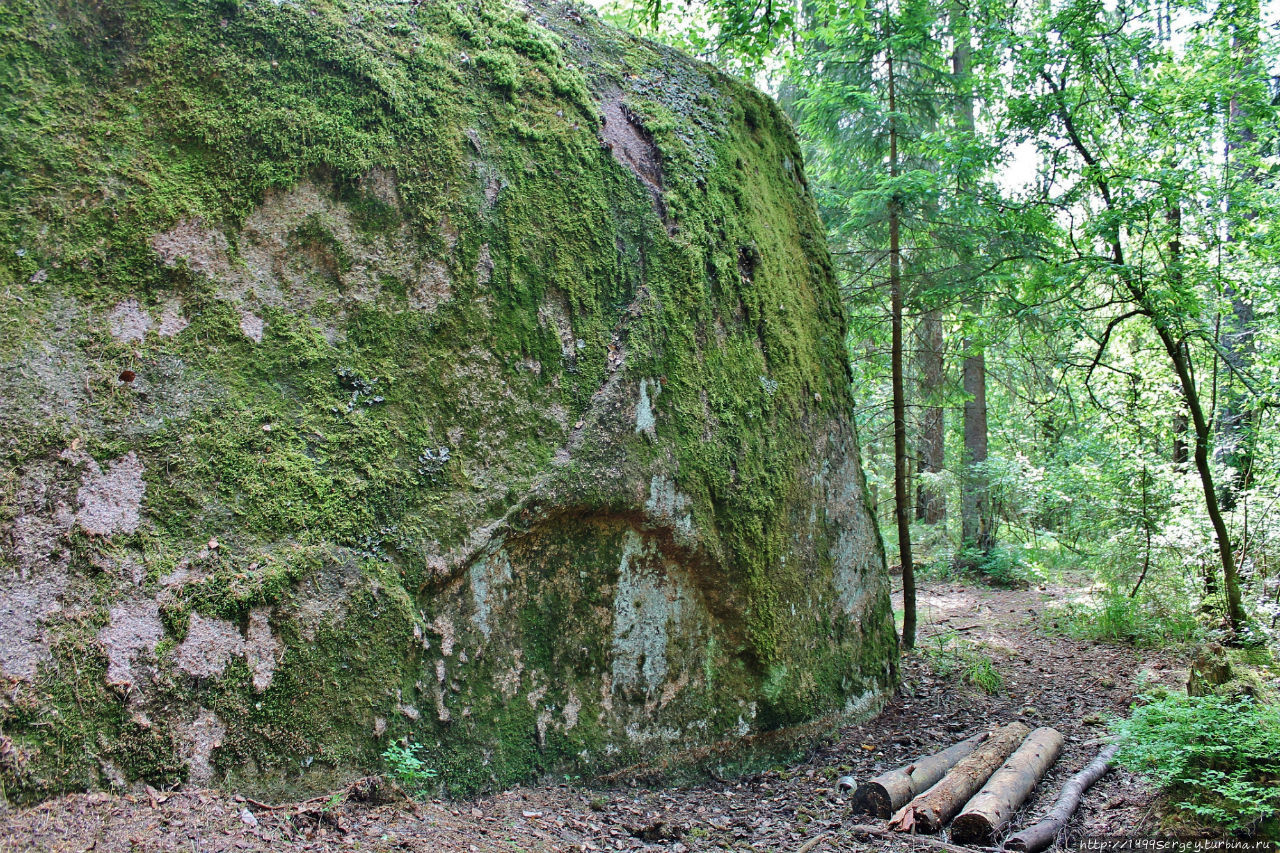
(320,708)
(459,155)
(70,726)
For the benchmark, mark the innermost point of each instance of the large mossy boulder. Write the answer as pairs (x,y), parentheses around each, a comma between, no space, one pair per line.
(455,373)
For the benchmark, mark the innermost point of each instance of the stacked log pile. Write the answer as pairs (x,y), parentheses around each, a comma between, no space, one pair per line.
(977,785)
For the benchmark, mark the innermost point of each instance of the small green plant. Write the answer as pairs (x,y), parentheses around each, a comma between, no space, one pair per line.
(981,672)
(408,769)
(943,652)
(1217,758)
(950,655)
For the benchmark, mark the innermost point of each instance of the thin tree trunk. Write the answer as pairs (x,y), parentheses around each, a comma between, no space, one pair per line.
(1181,358)
(975,505)
(1180,422)
(976,524)
(1180,427)
(1231,582)
(1235,418)
(1180,354)
(901,482)
(931,505)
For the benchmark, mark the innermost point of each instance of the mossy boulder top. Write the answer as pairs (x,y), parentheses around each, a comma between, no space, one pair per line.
(462,374)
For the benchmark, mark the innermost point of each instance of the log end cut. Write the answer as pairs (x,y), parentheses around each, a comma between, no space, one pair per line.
(972,829)
(872,798)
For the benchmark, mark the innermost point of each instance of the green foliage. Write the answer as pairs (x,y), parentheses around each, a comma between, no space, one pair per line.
(951,656)
(1082,234)
(982,673)
(1002,566)
(409,770)
(1215,757)
(1146,620)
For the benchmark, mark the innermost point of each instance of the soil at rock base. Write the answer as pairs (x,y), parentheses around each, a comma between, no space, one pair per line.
(1070,685)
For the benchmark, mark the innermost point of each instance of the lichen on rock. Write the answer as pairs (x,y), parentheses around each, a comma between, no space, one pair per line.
(472,375)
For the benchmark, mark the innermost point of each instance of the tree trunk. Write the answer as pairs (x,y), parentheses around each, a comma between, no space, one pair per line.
(901,475)
(1179,353)
(930,811)
(1235,418)
(931,506)
(1180,422)
(1039,837)
(991,808)
(888,792)
(1180,427)
(976,524)
(1180,357)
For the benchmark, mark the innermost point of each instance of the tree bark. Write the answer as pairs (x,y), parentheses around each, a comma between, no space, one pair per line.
(888,792)
(1181,358)
(991,808)
(976,524)
(930,811)
(1235,418)
(1036,838)
(931,506)
(1180,422)
(901,475)
(1180,427)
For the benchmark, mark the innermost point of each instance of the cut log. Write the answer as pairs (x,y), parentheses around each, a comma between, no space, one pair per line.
(991,808)
(930,811)
(1039,837)
(922,840)
(888,792)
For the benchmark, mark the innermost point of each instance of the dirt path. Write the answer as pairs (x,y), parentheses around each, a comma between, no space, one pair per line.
(1047,681)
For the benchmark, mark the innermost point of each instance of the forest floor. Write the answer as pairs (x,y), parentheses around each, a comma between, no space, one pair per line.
(1047,680)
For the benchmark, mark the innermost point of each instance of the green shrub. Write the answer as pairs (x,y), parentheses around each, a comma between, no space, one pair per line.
(949,655)
(409,770)
(1002,566)
(981,672)
(1141,621)
(1216,758)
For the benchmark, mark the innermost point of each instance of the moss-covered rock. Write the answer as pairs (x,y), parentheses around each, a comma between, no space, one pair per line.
(462,373)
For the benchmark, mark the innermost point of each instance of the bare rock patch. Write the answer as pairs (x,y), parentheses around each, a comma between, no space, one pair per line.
(128,321)
(203,249)
(110,500)
(135,630)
